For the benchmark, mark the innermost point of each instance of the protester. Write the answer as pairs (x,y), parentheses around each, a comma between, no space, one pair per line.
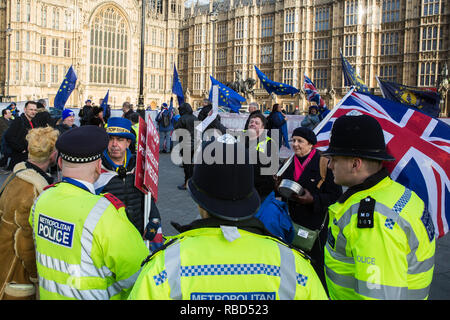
(97,117)
(217,127)
(14,111)
(165,127)
(43,117)
(127,110)
(228,252)
(99,252)
(18,274)
(5,122)
(381,240)
(85,113)
(68,119)
(17,131)
(118,173)
(262,144)
(252,109)
(277,121)
(187,121)
(309,210)
(311,120)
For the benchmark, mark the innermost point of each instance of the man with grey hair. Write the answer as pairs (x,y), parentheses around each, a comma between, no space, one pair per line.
(253,108)
(127,110)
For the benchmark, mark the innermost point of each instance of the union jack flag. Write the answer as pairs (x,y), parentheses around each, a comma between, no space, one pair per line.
(419,143)
(311,92)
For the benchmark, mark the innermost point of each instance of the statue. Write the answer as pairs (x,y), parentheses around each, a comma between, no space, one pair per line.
(242,86)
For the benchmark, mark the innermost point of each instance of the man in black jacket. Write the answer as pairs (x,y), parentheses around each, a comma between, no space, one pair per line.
(187,122)
(118,173)
(16,133)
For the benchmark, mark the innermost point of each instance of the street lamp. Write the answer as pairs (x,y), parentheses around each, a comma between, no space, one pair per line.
(140,106)
(213,19)
(8,34)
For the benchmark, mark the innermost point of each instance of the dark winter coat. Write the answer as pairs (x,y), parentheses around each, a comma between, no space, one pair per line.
(311,215)
(122,186)
(62,127)
(15,139)
(43,119)
(186,121)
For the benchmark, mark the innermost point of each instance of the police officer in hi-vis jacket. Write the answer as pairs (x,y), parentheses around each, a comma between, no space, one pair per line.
(227,254)
(381,240)
(86,248)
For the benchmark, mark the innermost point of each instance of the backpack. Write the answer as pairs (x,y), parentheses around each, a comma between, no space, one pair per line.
(165,119)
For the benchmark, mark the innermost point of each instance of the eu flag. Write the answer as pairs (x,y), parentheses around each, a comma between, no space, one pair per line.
(177,89)
(275,87)
(425,101)
(104,106)
(65,89)
(227,96)
(351,78)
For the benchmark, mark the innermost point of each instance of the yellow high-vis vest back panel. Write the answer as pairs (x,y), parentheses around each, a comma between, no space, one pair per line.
(202,265)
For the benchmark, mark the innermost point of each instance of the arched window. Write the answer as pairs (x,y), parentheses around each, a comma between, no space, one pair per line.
(109,48)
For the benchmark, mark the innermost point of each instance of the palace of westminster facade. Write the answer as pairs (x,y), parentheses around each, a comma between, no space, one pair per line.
(406,41)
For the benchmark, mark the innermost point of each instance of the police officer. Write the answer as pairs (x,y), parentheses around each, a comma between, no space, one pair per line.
(227,254)
(381,241)
(86,248)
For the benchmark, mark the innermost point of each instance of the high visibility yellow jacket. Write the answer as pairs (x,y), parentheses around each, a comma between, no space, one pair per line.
(380,243)
(86,248)
(201,264)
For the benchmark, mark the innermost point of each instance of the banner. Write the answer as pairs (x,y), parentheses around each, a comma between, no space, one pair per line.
(151,158)
(140,156)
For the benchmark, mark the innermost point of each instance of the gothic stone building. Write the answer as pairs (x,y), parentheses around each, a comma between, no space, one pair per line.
(41,39)
(399,40)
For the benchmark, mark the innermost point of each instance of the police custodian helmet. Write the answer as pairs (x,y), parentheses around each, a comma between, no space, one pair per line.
(83,144)
(358,136)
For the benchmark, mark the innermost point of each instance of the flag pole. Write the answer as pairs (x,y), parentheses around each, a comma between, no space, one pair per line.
(331,113)
(381,88)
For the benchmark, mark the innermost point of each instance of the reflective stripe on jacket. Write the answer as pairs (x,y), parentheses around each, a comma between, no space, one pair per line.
(392,260)
(83,246)
(201,264)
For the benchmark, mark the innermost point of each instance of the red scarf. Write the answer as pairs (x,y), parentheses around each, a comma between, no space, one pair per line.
(300,167)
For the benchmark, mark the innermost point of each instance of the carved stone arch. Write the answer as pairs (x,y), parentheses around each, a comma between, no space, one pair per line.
(114,4)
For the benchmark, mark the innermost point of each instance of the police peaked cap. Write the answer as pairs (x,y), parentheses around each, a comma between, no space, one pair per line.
(358,136)
(83,144)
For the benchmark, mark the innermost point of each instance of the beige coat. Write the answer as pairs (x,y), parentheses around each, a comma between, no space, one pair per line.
(17,254)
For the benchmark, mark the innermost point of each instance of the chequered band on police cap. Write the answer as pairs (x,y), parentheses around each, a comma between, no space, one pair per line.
(117,130)
(80,160)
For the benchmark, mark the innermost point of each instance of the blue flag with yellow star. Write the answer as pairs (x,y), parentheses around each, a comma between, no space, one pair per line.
(66,88)
(351,78)
(227,96)
(275,87)
(177,89)
(425,101)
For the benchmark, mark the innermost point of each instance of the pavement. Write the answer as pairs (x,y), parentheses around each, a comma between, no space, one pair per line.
(176,205)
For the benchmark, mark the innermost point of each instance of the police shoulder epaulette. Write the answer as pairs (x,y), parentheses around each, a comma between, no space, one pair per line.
(114,200)
(164,246)
(50,186)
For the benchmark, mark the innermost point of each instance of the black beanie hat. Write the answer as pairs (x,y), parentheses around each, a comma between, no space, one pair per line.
(305,133)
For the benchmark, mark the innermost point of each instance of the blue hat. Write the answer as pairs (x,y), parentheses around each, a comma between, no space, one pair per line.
(67,113)
(120,127)
(164,105)
(78,145)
